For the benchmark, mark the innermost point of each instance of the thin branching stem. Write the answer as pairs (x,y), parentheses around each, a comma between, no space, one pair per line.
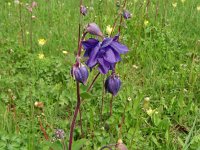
(121,17)
(31,28)
(77,83)
(20,23)
(102,98)
(75,115)
(93,81)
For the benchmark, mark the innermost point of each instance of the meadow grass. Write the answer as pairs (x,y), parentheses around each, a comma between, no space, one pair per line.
(158,105)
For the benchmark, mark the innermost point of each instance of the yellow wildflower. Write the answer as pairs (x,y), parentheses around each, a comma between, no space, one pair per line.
(146,22)
(129,99)
(183,1)
(9,3)
(135,66)
(65,52)
(150,112)
(198,8)
(41,56)
(41,42)
(174,5)
(109,29)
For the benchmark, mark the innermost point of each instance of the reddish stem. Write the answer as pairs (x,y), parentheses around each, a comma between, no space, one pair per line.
(75,116)
(121,18)
(122,121)
(80,43)
(43,130)
(93,81)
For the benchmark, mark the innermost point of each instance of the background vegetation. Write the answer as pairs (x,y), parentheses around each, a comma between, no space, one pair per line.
(158,105)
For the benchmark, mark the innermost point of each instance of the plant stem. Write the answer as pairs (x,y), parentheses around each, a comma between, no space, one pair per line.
(31,33)
(147,8)
(157,9)
(111,101)
(77,83)
(20,23)
(102,100)
(75,115)
(114,25)
(80,43)
(121,17)
(122,121)
(80,115)
(64,145)
(43,130)
(93,81)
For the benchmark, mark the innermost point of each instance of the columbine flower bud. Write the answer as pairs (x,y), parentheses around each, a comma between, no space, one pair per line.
(80,73)
(113,84)
(126,14)
(83,10)
(93,29)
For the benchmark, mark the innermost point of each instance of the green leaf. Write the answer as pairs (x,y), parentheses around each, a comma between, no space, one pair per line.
(155,141)
(2,145)
(57,145)
(78,144)
(85,95)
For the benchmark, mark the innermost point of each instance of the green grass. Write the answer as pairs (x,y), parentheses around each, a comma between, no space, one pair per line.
(163,64)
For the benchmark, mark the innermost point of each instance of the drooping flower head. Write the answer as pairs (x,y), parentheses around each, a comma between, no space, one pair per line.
(94,29)
(80,73)
(126,14)
(113,84)
(104,54)
(83,10)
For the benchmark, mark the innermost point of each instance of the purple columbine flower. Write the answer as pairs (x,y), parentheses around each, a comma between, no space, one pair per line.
(80,73)
(113,84)
(126,14)
(104,54)
(94,29)
(83,10)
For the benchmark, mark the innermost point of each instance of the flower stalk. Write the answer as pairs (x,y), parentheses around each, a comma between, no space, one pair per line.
(75,115)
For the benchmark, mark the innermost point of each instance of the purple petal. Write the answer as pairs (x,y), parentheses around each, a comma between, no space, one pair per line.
(84,73)
(120,48)
(106,42)
(126,14)
(83,10)
(112,66)
(89,45)
(111,56)
(103,66)
(80,73)
(92,61)
(116,37)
